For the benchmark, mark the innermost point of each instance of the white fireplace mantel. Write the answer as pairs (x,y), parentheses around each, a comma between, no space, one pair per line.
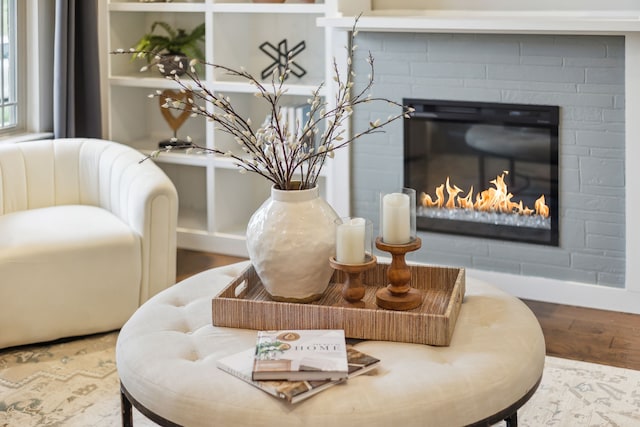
(568,22)
(494,21)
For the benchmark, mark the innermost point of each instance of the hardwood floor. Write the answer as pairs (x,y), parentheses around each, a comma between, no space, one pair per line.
(192,262)
(590,335)
(598,336)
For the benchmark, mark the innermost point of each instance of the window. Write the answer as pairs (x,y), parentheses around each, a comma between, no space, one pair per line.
(8,77)
(26,77)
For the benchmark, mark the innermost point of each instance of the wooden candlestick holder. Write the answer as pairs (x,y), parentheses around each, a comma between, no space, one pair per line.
(398,294)
(353,289)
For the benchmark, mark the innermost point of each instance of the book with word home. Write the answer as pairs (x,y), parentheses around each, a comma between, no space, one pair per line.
(240,365)
(307,354)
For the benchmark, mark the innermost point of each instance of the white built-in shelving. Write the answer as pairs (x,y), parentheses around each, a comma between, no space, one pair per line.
(216,201)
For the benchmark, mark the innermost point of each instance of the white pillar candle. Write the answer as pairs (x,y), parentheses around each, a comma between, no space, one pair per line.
(396,219)
(350,241)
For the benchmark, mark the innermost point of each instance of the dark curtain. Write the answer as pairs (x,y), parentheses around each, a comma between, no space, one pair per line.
(76,88)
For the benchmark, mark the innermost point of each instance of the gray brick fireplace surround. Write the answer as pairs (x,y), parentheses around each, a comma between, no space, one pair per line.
(584,75)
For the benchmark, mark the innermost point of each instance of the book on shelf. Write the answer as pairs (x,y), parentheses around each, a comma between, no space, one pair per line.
(304,354)
(240,365)
(295,117)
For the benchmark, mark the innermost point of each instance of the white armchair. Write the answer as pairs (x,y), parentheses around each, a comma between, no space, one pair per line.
(87,234)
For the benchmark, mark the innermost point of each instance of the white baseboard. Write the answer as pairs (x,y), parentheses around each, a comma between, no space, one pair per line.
(562,292)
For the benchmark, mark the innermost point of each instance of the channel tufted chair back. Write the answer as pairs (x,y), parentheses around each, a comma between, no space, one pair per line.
(69,171)
(87,234)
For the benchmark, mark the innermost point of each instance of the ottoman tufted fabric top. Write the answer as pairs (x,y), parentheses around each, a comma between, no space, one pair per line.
(167,353)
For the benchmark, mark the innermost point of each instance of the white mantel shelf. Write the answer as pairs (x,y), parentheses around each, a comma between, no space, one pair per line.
(513,22)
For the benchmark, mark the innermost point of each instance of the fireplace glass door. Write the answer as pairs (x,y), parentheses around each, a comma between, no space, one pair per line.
(484,169)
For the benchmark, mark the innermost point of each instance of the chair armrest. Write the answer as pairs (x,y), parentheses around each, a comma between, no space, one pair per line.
(153,213)
(144,197)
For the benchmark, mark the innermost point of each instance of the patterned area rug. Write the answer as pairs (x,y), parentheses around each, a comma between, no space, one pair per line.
(75,383)
(72,383)
(583,394)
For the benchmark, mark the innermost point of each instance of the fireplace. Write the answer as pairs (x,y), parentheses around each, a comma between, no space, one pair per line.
(484,169)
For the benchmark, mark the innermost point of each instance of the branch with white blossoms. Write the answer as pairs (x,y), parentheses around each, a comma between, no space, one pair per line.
(282,152)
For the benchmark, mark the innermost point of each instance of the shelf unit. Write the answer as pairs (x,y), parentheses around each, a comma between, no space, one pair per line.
(216,201)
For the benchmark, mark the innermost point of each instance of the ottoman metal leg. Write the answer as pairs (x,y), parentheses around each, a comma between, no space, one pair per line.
(125,409)
(512,420)
(128,402)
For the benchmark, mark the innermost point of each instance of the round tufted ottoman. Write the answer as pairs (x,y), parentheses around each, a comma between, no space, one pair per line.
(167,352)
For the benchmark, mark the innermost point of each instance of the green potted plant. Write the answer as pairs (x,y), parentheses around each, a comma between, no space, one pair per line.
(172,51)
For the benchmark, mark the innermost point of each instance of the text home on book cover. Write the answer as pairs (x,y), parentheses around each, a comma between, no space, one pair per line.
(309,354)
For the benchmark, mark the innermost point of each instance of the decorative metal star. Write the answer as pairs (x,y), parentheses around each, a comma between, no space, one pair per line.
(280,56)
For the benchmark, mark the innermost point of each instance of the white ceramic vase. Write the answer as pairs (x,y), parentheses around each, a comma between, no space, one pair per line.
(290,239)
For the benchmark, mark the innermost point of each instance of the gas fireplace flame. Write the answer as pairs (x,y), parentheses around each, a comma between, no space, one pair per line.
(493,199)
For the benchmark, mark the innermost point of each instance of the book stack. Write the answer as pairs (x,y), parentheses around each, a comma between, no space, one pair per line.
(294,365)
(294,118)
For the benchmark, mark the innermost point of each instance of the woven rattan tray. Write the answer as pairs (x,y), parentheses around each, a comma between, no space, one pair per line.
(244,303)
